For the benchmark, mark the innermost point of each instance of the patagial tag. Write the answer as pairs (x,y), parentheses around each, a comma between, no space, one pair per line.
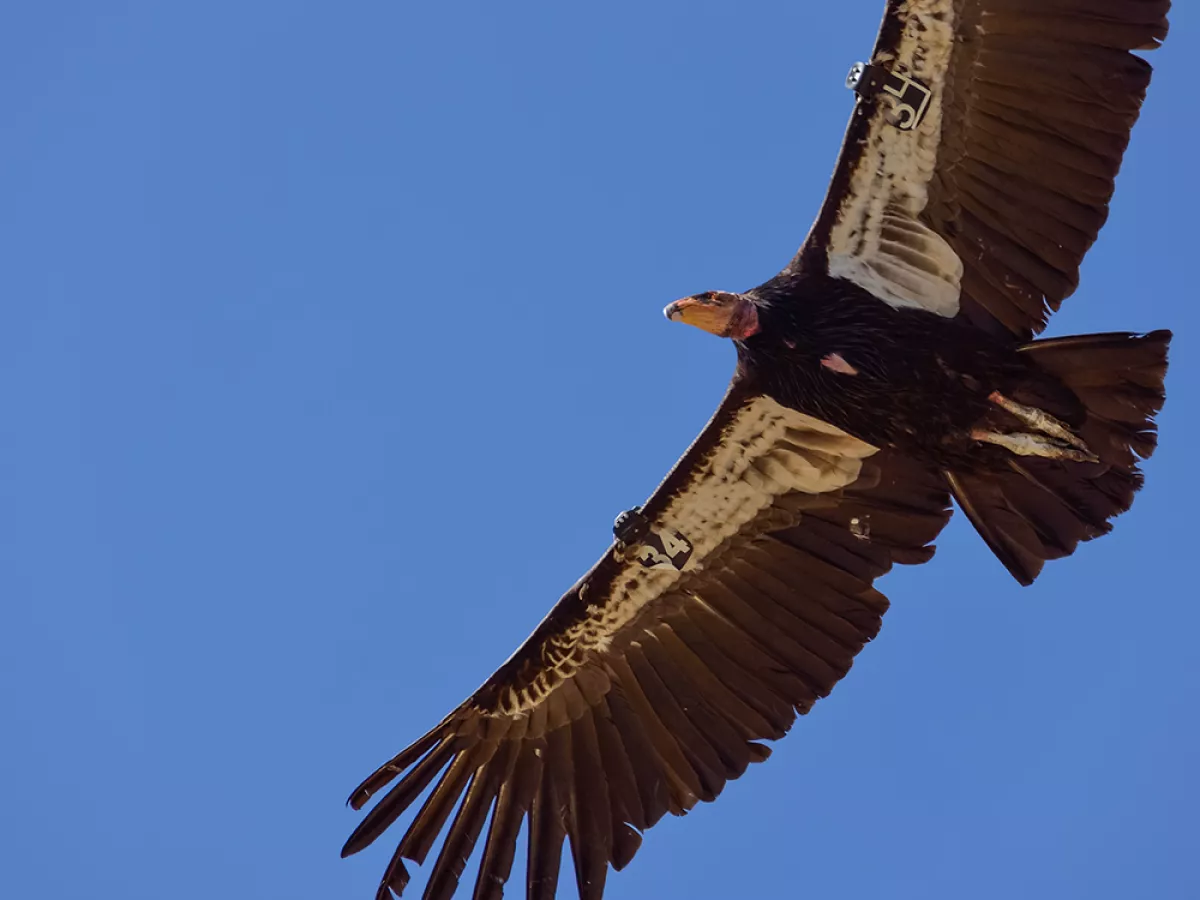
(664,548)
(910,96)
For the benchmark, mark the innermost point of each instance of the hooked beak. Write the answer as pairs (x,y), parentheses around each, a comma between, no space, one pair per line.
(722,314)
(674,311)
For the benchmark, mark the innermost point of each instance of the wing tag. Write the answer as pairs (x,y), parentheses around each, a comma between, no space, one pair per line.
(664,548)
(911,97)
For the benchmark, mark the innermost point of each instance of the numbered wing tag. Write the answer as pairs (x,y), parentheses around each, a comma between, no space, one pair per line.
(911,97)
(664,547)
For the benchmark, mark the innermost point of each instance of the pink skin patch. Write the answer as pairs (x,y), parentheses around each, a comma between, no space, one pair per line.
(744,322)
(835,363)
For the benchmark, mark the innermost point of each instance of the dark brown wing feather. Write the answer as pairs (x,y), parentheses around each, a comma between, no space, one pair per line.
(1045,96)
(671,706)
(1038,102)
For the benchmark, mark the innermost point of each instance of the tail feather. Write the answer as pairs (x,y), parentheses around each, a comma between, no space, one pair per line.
(1119,379)
(1040,509)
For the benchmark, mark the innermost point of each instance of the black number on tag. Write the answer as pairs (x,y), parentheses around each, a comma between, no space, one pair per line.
(664,548)
(912,99)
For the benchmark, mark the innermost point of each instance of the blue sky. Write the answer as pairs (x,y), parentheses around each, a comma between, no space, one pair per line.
(330,346)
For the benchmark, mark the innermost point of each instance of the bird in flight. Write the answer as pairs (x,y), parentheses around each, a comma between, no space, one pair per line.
(889,368)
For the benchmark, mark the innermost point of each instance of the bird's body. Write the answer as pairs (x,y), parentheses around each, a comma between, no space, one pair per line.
(913,381)
(891,368)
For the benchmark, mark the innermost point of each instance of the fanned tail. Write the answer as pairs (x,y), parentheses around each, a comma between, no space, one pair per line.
(1040,508)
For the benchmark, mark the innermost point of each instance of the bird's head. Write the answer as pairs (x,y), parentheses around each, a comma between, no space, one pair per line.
(718,312)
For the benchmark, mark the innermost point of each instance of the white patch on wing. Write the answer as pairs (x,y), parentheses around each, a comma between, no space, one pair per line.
(767,450)
(904,263)
(877,240)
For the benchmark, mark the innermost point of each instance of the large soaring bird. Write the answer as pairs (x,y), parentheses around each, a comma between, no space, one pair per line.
(889,367)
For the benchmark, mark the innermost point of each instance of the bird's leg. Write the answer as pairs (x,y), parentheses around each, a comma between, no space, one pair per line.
(1038,420)
(1034,445)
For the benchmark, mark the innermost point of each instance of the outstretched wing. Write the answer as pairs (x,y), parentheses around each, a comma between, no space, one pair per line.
(980,158)
(743,601)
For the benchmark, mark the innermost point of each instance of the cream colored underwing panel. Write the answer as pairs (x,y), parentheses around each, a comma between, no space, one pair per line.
(766,450)
(876,240)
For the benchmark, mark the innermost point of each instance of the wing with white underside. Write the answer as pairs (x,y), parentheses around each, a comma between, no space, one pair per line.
(876,238)
(982,152)
(743,601)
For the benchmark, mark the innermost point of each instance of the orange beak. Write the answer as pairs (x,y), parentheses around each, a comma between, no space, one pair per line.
(725,315)
(711,316)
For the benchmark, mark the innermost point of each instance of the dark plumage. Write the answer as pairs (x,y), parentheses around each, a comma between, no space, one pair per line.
(923,384)
(922,381)
(890,367)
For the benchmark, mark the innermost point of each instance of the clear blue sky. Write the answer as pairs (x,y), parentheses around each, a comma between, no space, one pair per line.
(330,346)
